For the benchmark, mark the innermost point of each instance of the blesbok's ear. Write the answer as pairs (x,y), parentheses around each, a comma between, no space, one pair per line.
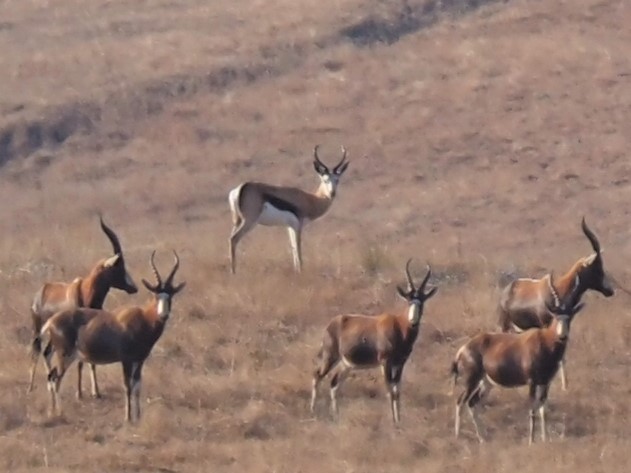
(179,287)
(149,286)
(431,292)
(589,259)
(339,171)
(111,261)
(320,168)
(402,292)
(577,308)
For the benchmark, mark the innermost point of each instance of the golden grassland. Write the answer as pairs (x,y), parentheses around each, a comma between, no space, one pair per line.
(478,138)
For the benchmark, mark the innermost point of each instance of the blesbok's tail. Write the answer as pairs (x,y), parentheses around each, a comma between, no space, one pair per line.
(454,374)
(454,371)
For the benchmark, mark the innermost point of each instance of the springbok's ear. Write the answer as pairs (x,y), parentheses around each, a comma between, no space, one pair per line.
(320,168)
(149,286)
(111,261)
(179,287)
(402,292)
(431,292)
(342,168)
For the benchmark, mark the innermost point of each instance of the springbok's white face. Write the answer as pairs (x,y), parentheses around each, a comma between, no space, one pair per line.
(164,305)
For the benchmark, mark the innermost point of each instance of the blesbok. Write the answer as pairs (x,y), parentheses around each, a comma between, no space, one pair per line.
(256,203)
(523,301)
(365,341)
(516,359)
(89,291)
(100,337)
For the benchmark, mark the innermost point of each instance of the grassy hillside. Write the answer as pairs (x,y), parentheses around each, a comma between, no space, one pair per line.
(479,133)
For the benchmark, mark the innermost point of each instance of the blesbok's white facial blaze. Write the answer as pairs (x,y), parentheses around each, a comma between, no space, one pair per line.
(163,308)
(563,327)
(414,312)
(271,216)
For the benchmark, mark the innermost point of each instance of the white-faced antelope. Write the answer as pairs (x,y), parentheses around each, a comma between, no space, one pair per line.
(523,302)
(364,341)
(530,358)
(99,337)
(89,291)
(256,203)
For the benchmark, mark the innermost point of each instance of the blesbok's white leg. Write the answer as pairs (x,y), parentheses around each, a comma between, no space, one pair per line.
(314,393)
(34,360)
(394,402)
(295,241)
(457,419)
(562,373)
(95,386)
(542,416)
(79,379)
(473,412)
(135,389)
(336,381)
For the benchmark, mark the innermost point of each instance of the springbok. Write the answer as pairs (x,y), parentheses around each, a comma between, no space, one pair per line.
(511,360)
(364,341)
(89,291)
(253,203)
(523,301)
(99,337)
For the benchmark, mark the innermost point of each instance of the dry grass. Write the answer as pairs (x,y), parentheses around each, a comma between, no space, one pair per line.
(478,138)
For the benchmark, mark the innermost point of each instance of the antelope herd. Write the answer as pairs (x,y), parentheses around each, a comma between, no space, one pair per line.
(534,316)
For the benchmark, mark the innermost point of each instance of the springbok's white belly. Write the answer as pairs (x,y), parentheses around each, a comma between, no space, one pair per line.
(271,216)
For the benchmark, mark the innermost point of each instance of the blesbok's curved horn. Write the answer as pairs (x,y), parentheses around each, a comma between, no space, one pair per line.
(553,291)
(591,237)
(155,270)
(409,276)
(169,281)
(116,246)
(342,161)
(316,157)
(426,278)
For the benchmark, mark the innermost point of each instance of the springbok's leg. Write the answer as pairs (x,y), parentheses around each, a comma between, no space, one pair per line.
(238,232)
(296,250)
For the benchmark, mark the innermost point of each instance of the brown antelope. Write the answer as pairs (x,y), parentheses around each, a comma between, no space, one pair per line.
(364,341)
(510,360)
(99,337)
(89,291)
(523,302)
(253,203)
